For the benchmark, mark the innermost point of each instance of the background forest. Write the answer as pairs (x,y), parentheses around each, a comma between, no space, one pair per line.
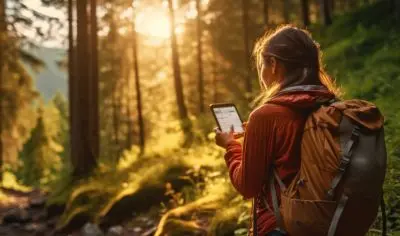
(126,147)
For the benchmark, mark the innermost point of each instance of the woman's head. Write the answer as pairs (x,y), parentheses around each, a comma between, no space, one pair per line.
(287,57)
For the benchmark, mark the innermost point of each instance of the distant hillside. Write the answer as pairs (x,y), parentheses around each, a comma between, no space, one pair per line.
(52,78)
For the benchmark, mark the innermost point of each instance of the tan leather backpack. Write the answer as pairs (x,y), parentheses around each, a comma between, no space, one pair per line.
(338,189)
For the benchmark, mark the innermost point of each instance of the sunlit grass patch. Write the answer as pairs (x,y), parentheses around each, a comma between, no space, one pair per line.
(10,181)
(97,195)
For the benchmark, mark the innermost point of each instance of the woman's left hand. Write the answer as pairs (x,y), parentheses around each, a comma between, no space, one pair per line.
(222,139)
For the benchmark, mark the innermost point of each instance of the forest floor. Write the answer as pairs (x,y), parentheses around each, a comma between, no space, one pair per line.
(22,213)
(25,214)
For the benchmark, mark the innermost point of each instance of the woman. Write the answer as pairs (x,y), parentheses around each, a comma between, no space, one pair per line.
(290,71)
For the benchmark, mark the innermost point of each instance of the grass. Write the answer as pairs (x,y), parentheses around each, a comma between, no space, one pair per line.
(10,181)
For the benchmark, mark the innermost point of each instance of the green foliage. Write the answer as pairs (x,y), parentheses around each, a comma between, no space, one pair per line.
(40,155)
(10,181)
(60,103)
(17,95)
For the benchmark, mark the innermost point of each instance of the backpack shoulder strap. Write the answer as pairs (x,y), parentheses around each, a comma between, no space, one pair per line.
(344,161)
(338,213)
(275,201)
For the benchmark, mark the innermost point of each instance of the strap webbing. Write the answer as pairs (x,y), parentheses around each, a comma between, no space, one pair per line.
(337,215)
(280,182)
(344,161)
(275,203)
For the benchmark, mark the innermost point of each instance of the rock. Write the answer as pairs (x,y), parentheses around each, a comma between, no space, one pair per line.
(115,231)
(38,202)
(51,223)
(55,210)
(150,231)
(149,223)
(15,225)
(35,227)
(40,216)
(90,229)
(16,215)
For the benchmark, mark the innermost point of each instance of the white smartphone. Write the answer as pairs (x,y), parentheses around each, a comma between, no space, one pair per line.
(226,115)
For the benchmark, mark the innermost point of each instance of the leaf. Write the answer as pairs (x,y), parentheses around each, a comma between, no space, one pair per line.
(241,232)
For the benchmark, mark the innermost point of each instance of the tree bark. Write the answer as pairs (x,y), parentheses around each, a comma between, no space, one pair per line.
(115,118)
(266,15)
(182,110)
(94,81)
(306,12)
(215,77)
(286,6)
(325,12)
(245,16)
(199,57)
(129,97)
(3,32)
(72,88)
(395,7)
(85,156)
(332,6)
(352,4)
(137,85)
(112,39)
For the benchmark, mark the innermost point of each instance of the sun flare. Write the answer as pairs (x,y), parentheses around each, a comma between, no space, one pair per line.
(155,23)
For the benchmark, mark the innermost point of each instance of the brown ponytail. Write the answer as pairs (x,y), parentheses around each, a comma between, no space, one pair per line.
(300,55)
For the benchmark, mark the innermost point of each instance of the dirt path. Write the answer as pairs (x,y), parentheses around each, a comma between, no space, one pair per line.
(22,213)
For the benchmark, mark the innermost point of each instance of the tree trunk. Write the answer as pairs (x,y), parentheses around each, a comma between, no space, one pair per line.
(183,114)
(112,39)
(72,88)
(352,4)
(115,119)
(266,15)
(84,154)
(286,6)
(306,12)
(94,81)
(325,13)
(129,97)
(199,58)
(332,6)
(137,85)
(3,32)
(215,77)
(395,7)
(245,15)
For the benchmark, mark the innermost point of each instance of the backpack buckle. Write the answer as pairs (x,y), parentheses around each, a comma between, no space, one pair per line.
(344,162)
(355,132)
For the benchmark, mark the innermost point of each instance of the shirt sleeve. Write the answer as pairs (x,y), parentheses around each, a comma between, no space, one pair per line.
(248,163)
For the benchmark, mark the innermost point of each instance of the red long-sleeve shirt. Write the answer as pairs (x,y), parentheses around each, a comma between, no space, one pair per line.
(273,136)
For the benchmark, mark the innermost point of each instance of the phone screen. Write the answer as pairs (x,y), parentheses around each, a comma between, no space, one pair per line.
(226,117)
